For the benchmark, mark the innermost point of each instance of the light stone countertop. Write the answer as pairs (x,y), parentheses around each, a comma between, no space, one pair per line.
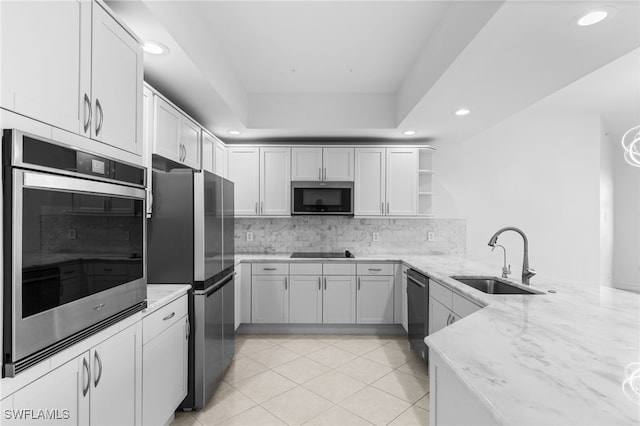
(549,359)
(159,295)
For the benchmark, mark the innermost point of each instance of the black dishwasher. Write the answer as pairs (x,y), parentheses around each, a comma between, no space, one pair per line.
(418,315)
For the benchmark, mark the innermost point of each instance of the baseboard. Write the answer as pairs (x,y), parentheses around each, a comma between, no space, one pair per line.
(364,329)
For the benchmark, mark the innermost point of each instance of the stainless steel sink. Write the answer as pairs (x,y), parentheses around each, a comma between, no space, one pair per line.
(492,285)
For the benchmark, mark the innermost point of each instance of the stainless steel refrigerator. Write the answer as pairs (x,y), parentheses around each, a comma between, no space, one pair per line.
(190,240)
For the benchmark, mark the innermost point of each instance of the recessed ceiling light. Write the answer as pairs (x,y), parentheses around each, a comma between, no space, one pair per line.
(594,16)
(234,132)
(155,48)
(462,111)
(409,132)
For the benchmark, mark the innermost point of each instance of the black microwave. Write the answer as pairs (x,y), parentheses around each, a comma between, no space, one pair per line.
(330,198)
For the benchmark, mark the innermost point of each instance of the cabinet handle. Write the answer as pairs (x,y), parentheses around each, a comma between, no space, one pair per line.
(375,269)
(325,174)
(97,380)
(285,283)
(180,155)
(261,207)
(319,283)
(382,207)
(387,208)
(325,283)
(99,109)
(168,317)
(188,328)
(448,318)
(150,200)
(268,269)
(87,104)
(184,149)
(85,365)
(358,283)
(319,173)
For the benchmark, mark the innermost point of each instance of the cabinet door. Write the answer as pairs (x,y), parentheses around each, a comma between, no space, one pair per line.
(375,300)
(270,299)
(40,57)
(369,184)
(306,164)
(166,129)
(244,170)
(338,164)
(275,181)
(116,84)
(164,379)
(305,299)
(114,370)
(402,178)
(220,157)
(190,140)
(65,388)
(208,148)
(439,315)
(339,300)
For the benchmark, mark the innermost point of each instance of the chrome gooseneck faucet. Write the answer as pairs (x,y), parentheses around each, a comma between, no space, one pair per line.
(527,272)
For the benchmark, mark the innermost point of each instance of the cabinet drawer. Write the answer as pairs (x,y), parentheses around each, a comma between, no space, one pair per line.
(163,318)
(270,269)
(375,268)
(463,307)
(305,268)
(441,293)
(339,268)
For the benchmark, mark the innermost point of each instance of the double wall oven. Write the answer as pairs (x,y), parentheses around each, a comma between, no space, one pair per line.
(74,246)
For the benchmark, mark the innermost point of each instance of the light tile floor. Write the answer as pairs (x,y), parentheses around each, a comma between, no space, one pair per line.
(332,380)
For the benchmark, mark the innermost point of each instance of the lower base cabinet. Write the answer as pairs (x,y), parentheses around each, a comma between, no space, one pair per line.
(375,300)
(99,387)
(339,300)
(270,299)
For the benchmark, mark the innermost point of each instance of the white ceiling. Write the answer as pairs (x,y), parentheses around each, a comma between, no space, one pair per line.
(301,70)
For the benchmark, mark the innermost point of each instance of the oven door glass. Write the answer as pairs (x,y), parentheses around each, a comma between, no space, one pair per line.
(75,245)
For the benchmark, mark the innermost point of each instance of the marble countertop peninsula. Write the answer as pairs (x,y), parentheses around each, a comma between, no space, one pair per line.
(562,358)
(159,295)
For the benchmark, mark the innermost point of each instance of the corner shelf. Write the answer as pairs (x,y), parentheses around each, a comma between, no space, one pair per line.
(425,182)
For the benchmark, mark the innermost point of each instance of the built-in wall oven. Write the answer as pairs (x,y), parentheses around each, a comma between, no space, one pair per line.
(74,246)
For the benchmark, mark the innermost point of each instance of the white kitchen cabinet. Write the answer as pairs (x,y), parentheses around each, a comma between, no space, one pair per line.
(305,299)
(375,300)
(208,150)
(270,299)
(244,171)
(58,67)
(322,164)
(175,136)
(439,315)
(370,182)
(165,361)
(116,373)
(65,388)
(401,181)
(116,91)
(447,306)
(275,181)
(221,160)
(339,299)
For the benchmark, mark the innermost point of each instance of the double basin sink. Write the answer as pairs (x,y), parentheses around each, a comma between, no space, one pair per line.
(492,285)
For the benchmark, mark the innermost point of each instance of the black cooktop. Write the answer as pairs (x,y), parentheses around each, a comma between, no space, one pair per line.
(332,255)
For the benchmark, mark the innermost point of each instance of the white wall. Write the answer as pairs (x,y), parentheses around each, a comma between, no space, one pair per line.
(539,172)
(607,152)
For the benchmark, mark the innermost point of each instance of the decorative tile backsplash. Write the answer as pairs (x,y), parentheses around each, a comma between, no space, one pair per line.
(336,233)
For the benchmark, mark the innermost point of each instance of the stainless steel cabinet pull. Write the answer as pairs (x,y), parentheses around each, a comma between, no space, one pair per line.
(325,283)
(184,149)
(98,307)
(319,283)
(188,328)
(85,365)
(285,283)
(168,317)
(97,380)
(358,283)
(269,269)
(262,207)
(99,109)
(387,207)
(87,105)
(375,269)
(325,174)
(382,207)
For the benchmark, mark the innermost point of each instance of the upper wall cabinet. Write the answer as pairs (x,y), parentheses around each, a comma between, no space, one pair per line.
(208,151)
(58,68)
(220,164)
(175,136)
(322,164)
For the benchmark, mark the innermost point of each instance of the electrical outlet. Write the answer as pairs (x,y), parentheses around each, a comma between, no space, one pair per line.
(249,236)
(71,234)
(430,236)
(376,236)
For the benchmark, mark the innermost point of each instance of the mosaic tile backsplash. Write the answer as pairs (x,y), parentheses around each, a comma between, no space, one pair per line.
(336,233)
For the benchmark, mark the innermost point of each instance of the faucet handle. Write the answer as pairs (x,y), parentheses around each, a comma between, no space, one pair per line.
(530,272)
(506,271)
